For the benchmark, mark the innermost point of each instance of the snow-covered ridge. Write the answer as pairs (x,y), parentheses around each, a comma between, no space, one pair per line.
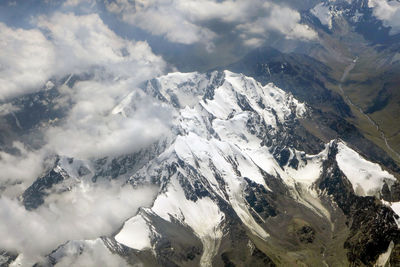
(229,90)
(218,118)
(328,11)
(367,178)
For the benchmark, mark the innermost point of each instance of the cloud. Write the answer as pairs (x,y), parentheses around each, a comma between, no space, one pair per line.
(280,19)
(190,21)
(70,44)
(8,108)
(87,211)
(160,19)
(93,130)
(26,61)
(19,170)
(88,253)
(85,41)
(66,43)
(118,66)
(388,12)
(74,3)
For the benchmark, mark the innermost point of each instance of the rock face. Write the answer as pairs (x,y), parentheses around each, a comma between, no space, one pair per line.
(34,195)
(372,224)
(240,182)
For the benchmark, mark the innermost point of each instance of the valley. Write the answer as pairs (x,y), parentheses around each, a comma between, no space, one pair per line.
(390,150)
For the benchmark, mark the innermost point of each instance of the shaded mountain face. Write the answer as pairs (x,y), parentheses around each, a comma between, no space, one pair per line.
(243,180)
(299,74)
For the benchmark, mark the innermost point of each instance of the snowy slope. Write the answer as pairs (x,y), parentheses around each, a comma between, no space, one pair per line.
(366,177)
(323,13)
(135,234)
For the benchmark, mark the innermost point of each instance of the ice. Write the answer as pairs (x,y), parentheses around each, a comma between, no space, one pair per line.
(396,207)
(203,216)
(19,261)
(309,171)
(220,152)
(366,177)
(186,87)
(323,13)
(135,234)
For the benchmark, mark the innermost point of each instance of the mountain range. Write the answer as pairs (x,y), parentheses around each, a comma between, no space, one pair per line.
(288,156)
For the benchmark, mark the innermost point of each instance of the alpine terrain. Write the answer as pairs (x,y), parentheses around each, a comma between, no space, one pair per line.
(240,182)
(200,133)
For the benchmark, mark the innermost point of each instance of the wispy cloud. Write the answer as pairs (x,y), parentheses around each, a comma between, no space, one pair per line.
(87,253)
(26,61)
(20,169)
(189,21)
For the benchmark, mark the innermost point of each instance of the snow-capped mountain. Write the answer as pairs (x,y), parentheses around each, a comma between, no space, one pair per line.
(374,20)
(236,184)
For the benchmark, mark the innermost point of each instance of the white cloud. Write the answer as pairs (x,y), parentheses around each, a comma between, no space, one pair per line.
(88,253)
(253,42)
(280,19)
(388,12)
(165,21)
(323,12)
(86,211)
(74,3)
(26,61)
(92,130)
(64,44)
(8,108)
(19,170)
(84,44)
(188,21)
(85,41)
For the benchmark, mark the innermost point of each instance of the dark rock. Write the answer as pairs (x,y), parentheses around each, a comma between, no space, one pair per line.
(306,234)
(372,225)
(34,195)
